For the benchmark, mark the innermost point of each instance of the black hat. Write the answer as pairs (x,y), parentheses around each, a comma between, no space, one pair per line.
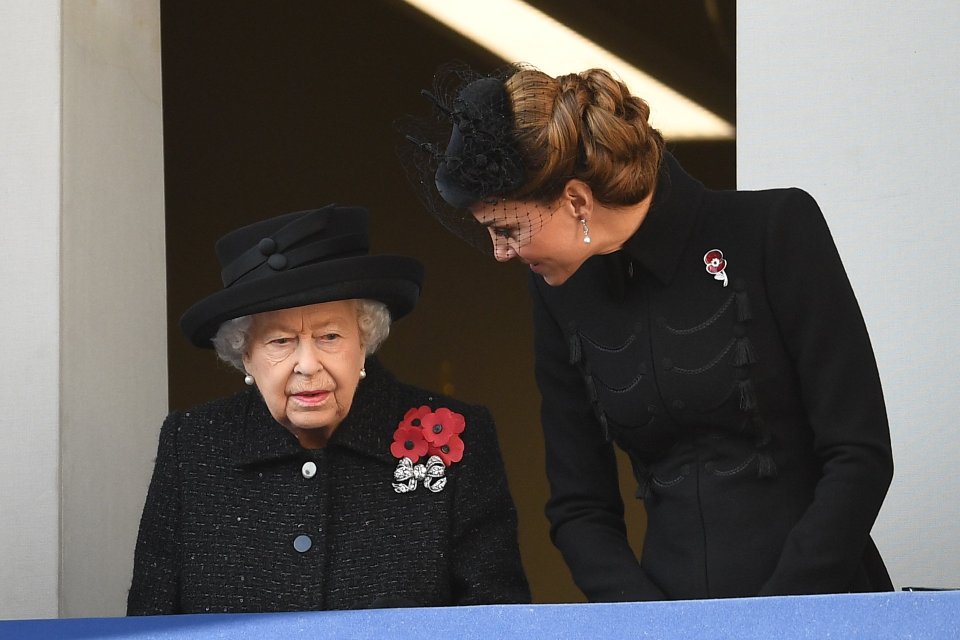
(297,259)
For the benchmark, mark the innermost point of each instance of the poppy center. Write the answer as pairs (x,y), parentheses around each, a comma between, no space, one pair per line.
(437,428)
(415,422)
(445,448)
(408,445)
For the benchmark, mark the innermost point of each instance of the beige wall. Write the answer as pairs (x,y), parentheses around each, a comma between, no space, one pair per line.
(83,328)
(856,102)
(29,320)
(113,295)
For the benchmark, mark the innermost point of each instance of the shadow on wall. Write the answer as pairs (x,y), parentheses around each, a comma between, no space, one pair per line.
(268,111)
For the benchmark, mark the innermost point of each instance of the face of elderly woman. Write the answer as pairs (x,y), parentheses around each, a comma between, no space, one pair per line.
(306,362)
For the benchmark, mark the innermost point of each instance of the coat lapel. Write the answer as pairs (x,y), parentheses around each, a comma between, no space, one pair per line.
(262,438)
(376,412)
(367,429)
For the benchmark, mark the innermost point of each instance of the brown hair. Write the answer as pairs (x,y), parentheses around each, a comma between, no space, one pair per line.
(587,126)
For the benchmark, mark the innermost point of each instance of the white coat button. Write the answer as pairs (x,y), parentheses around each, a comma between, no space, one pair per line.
(309,469)
(302,543)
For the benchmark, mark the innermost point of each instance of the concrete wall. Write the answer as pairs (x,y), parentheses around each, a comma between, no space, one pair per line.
(113,295)
(83,326)
(856,102)
(30,318)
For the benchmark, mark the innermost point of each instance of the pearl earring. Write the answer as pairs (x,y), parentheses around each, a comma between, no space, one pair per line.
(363,373)
(586,231)
(248,380)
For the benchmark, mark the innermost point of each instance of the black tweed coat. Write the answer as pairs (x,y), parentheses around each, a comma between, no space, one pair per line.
(229,497)
(748,401)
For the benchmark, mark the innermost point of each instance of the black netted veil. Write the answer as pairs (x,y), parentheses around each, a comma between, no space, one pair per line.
(465,152)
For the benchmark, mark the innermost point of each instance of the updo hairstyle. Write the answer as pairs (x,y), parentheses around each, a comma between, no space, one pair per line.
(583,125)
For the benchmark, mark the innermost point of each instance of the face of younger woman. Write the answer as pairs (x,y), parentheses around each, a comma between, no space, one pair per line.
(306,362)
(547,238)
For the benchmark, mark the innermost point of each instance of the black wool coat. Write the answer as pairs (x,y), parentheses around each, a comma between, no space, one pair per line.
(748,402)
(232,491)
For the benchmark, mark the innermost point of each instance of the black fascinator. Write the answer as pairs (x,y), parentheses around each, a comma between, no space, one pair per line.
(465,151)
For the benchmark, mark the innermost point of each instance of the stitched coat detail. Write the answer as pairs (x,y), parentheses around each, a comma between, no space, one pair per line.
(752,413)
(228,498)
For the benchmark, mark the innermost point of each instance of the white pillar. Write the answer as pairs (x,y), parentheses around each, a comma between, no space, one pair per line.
(857,103)
(113,298)
(84,388)
(29,320)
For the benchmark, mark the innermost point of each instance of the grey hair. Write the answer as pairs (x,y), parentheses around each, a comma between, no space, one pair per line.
(231,340)
(373,321)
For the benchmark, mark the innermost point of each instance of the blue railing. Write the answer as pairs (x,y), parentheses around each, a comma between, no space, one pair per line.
(915,615)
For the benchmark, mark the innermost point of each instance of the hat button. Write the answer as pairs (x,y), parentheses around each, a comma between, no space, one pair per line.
(277,262)
(267,246)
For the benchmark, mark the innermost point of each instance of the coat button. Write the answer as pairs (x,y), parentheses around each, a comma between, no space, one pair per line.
(302,543)
(309,469)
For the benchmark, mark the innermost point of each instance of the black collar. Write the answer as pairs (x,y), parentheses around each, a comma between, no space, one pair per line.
(367,429)
(658,243)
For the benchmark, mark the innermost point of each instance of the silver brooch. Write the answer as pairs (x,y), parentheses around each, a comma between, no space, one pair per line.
(407,475)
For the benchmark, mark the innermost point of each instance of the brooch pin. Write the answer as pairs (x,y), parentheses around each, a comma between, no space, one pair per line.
(424,431)
(716,265)
(407,475)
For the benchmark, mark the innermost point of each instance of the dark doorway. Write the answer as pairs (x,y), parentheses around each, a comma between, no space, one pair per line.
(272,107)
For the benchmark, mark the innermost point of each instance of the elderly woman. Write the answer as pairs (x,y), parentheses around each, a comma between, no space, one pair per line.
(328,484)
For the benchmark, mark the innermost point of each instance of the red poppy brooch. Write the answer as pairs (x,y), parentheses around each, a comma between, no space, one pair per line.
(716,265)
(425,432)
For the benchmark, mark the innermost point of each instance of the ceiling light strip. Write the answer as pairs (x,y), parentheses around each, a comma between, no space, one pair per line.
(516,32)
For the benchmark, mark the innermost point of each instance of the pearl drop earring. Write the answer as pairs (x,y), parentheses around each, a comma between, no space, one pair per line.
(248,380)
(363,373)
(586,231)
